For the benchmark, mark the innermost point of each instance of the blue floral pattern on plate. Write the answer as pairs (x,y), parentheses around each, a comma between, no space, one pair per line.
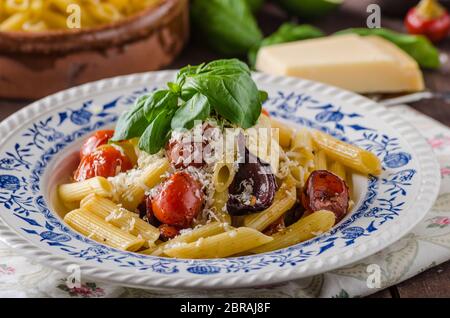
(24,166)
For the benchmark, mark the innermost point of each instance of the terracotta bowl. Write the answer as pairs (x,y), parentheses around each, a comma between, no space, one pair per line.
(33,65)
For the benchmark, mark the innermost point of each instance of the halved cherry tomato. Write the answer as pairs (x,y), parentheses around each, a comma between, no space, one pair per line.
(326,191)
(185,154)
(189,152)
(167,232)
(178,200)
(105,161)
(100,137)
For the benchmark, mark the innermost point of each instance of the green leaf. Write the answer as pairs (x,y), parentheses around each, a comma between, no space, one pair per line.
(230,90)
(174,88)
(417,46)
(287,32)
(309,9)
(255,5)
(157,101)
(131,123)
(197,108)
(228,26)
(157,133)
(263,96)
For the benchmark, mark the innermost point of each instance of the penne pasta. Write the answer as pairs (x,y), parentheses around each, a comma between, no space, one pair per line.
(219,207)
(351,156)
(302,230)
(221,245)
(120,217)
(338,169)
(223,175)
(284,133)
(320,160)
(284,200)
(101,231)
(151,176)
(73,192)
(206,230)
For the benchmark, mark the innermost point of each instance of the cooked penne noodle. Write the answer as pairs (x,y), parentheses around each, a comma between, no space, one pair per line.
(120,217)
(151,176)
(284,200)
(302,230)
(219,206)
(349,155)
(284,132)
(73,192)
(101,231)
(221,245)
(206,230)
(223,175)
(338,169)
(320,160)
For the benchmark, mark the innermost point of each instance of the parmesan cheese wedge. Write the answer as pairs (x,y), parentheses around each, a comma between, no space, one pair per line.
(368,64)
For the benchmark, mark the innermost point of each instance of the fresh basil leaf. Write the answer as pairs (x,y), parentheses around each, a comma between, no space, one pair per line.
(174,88)
(197,108)
(158,101)
(131,123)
(230,90)
(263,96)
(255,5)
(157,133)
(287,32)
(417,46)
(227,25)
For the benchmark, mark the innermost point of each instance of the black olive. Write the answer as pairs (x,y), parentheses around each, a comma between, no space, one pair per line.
(254,185)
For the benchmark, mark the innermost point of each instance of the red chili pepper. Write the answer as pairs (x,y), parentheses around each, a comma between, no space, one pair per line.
(428,18)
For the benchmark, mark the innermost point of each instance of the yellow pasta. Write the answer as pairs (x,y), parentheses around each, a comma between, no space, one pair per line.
(338,169)
(40,15)
(320,160)
(284,200)
(14,22)
(223,175)
(151,176)
(285,132)
(101,231)
(349,155)
(120,217)
(73,192)
(221,245)
(219,206)
(203,231)
(302,230)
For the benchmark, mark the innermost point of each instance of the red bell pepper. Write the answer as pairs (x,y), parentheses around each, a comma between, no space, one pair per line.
(428,18)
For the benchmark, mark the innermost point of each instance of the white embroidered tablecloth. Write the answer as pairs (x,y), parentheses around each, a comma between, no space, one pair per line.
(426,246)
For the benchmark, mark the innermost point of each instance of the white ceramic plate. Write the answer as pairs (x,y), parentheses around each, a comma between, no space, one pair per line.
(36,142)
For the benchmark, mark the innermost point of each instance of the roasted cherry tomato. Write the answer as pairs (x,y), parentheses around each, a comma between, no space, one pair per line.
(265,112)
(100,137)
(188,152)
(430,19)
(167,232)
(183,155)
(178,200)
(105,161)
(326,191)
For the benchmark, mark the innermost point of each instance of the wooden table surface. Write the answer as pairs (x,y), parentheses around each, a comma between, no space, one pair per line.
(431,283)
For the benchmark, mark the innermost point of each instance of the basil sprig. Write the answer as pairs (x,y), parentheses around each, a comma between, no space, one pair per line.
(222,87)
